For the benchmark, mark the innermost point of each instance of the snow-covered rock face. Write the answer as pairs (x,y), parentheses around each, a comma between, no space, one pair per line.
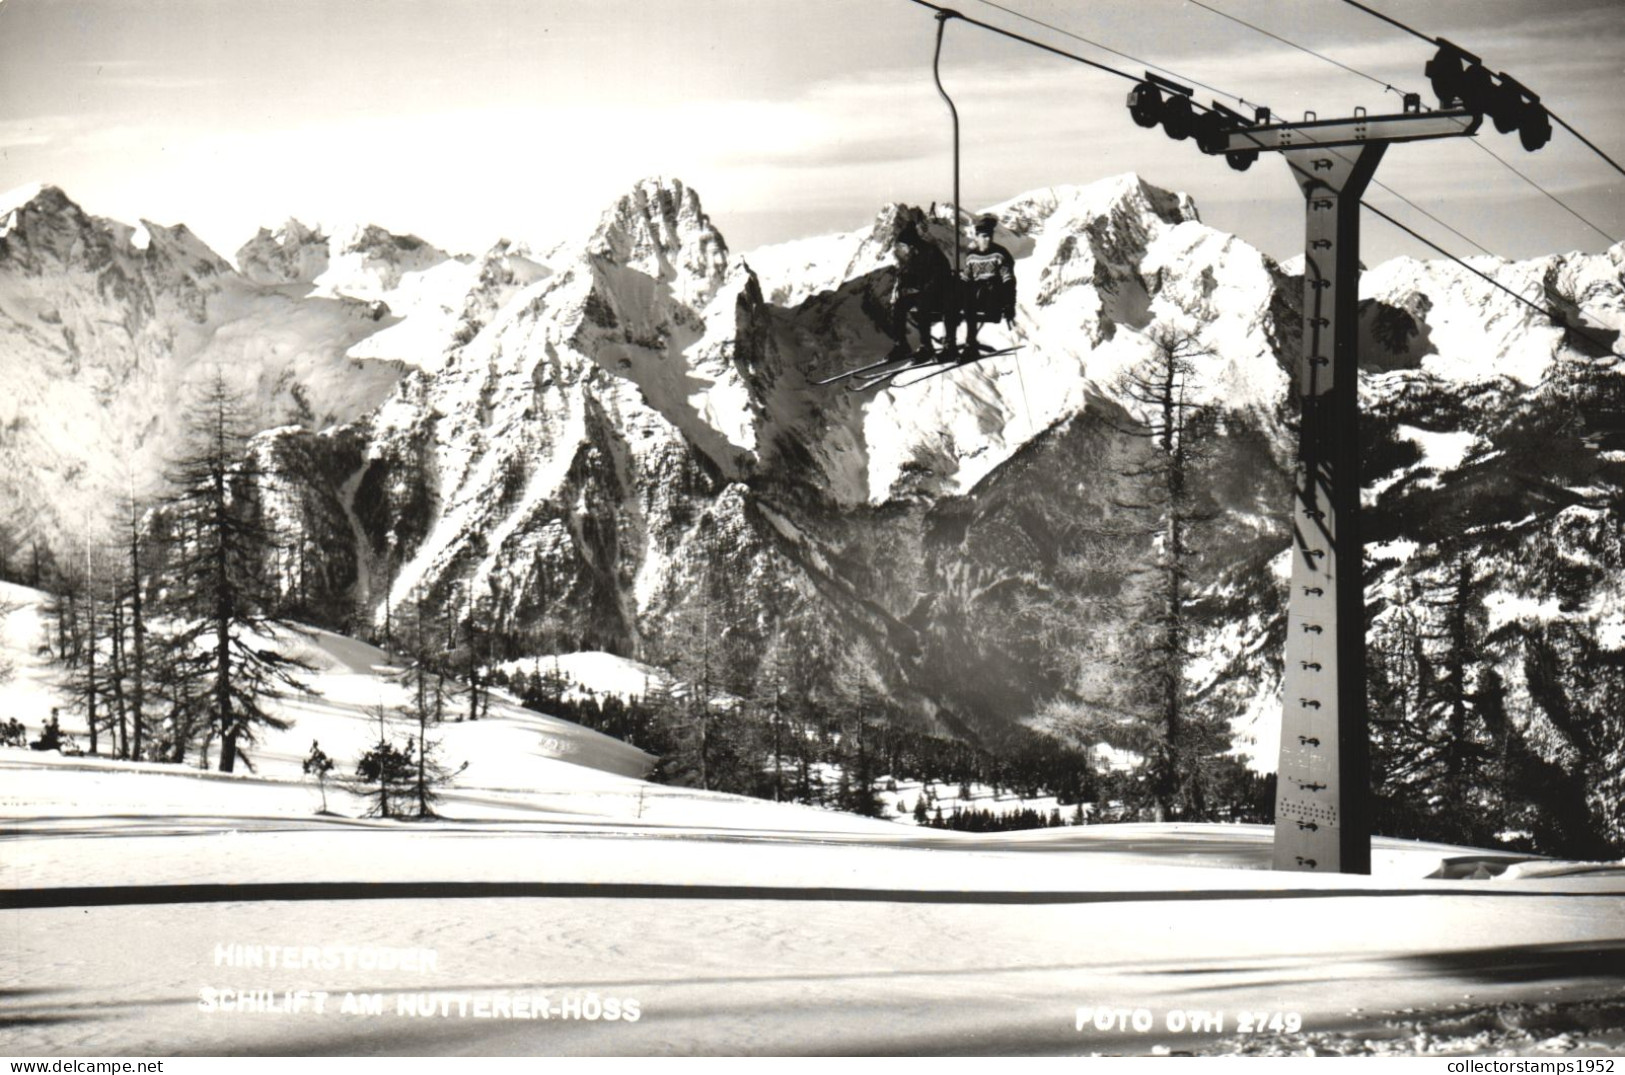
(557,465)
(1466,330)
(792,272)
(660,230)
(293,254)
(617,431)
(357,261)
(657,301)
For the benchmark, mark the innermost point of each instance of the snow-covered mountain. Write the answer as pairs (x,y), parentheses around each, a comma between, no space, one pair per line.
(361,261)
(587,444)
(426,297)
(105,328)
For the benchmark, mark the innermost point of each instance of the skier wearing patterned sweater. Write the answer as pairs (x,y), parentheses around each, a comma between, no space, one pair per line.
(990,278)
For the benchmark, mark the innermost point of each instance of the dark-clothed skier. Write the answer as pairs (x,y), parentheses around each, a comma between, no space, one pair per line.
(990,282)
(923,294)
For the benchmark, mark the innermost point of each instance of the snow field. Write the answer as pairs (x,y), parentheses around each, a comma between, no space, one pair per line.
(775,929)
(801,970)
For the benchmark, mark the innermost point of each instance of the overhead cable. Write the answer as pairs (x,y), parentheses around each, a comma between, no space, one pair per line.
(1233,96)
(1026,40)
(1482,249)
(1293,44)
(1563,123)
(1392,21)
(1508,165)
(1414,234)
(1116,52)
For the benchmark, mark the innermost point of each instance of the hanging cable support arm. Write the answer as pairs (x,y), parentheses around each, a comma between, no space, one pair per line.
(943,16)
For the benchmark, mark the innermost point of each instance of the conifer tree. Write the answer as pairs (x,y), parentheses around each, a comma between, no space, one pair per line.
(7,668)
(1439,766)
(384,773)
(134,598)
(1575,778)
(1129,620)
(318,763)
(10,546)
(428,774)
(691,650)
(219,590)
(857,691)
(85,684)
(469,649)
(63,592)
(772,706)
(415,638)
(798,676)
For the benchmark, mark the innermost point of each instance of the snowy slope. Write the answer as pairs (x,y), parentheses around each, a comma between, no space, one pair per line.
(562,438)
(515,749)
(600,674)
(1474,332)
(1098,268)
(359,261)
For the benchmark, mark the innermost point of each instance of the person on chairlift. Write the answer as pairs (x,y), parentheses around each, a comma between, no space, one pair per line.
(990,283)
(921,295)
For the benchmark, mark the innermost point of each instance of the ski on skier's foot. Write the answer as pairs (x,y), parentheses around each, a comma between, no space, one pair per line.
(914,375)
(872,369)
(919,362)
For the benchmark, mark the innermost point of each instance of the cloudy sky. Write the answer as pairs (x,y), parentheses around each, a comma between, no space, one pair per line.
(466,120)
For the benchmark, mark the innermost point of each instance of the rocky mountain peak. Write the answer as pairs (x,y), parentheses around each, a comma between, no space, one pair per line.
(110,324)
(359,260)
(45,234)
(1124,197)
(182,251)
(383,244)
(43,230)
(660,229)
(292,254)
(591,422)
(1111,219)
(14,202)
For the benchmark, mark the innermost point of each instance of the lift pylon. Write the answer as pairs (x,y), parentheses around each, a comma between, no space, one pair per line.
(1322,803)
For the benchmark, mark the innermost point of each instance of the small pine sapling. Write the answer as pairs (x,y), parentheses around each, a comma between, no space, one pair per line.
(385,775)
(317,762)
